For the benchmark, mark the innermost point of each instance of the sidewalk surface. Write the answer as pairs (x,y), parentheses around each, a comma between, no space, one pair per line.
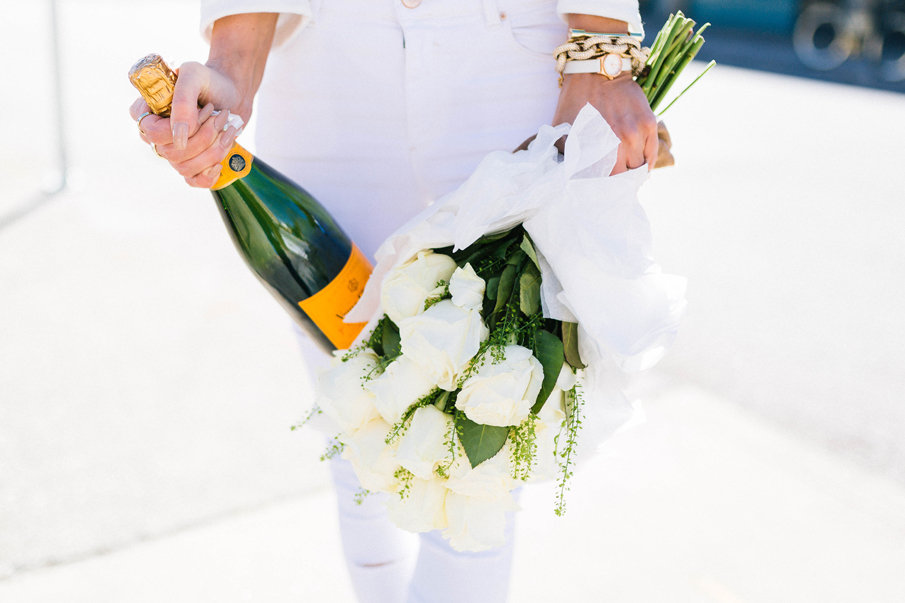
(703,503)
(147,381)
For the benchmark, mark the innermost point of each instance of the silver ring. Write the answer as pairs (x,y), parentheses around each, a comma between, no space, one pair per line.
(138,121)
(154,148)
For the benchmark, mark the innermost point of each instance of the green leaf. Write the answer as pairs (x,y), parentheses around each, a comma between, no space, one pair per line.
(471,255)
(570,344)
(500,249)
(391,341)
(516,258)
(493,284)
(548,349)
(481,442)
(529,291)
(494,237)
(528,248)
(504,291)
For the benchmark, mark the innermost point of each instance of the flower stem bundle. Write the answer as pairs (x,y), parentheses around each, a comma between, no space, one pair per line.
(675,46)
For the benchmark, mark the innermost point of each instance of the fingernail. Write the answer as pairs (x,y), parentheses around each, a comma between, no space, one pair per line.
(221,120)
(180,135)
(214,172)
(205,113)
(227,138)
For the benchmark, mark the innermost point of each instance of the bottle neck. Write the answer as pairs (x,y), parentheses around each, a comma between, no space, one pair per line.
(236,166)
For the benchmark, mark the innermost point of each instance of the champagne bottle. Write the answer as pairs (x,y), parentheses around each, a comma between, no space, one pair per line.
(290,242)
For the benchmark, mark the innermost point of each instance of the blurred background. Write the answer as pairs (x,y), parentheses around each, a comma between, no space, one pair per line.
(147,382)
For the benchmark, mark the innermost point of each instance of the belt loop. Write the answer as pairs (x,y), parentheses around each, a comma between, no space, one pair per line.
(492,13)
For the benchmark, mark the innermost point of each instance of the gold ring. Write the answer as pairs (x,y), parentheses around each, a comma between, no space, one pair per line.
(154,148)
(138,121)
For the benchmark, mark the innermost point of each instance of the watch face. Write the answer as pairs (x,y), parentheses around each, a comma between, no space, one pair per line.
(612,65)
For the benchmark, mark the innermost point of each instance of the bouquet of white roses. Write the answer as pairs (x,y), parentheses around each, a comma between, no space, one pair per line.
(499,323)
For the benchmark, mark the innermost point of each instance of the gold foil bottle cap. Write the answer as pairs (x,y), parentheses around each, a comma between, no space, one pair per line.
(156,82)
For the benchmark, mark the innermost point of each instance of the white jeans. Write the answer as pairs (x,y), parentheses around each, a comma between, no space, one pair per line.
(378,110)
(388,565)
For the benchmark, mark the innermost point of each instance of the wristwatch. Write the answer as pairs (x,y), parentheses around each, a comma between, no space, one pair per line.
(609,65)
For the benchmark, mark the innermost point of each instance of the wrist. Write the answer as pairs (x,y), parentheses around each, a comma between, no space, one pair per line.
(595,77)
(233,82)
(588,80)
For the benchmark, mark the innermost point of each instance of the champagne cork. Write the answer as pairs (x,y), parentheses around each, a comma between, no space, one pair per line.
(156,82)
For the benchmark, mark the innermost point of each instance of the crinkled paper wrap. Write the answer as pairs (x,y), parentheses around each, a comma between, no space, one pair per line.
(594,241)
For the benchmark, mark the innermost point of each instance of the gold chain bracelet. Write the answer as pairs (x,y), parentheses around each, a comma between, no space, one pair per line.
(582,48)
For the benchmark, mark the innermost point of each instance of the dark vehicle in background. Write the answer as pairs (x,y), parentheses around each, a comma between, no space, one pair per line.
(858,42)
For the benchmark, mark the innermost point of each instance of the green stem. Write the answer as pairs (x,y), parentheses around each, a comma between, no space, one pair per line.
(687,88)
(681,42)
(660,40)
(675,56)
(682,37)
(658,60)
(661,92)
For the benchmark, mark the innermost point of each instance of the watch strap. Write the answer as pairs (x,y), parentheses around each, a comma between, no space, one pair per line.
(594,66)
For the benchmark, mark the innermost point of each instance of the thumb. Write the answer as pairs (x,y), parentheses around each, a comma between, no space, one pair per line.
(193,79)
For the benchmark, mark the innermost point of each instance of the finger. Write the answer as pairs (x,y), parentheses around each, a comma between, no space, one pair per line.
(159,129)
(184,112)
(210,157)
(140,113)
(634,147)
(620,161)
(524,145)
(651,148)
(200,141)
(138,107)
(207,178)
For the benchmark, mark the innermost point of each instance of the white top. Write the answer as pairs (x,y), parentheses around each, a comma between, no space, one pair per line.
(296,14)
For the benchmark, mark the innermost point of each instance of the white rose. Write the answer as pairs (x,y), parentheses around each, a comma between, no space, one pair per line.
(340,394)
(423,509)
(567,378)
(476,524)
(424,445)
(373,461)
(492,479)
(407,287)
(402,384)
(502,393)
(443,340)
(467,288)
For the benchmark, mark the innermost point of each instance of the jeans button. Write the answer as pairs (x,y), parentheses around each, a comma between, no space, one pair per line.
(411,3)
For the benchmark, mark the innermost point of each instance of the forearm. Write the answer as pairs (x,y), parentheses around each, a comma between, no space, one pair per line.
(240,45)
(596,24)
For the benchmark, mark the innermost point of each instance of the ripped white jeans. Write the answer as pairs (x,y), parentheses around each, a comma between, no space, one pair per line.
(388,565)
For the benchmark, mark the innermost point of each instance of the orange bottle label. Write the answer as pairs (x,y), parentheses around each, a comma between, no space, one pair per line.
(236,165)
(329,306)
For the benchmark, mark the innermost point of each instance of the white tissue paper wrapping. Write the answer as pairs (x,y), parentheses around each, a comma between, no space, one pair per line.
(594,241)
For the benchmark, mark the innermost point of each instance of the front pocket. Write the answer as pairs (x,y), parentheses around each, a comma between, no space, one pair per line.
(535,31)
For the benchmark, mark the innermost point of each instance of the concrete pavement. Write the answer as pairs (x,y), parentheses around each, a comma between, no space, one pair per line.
(705,503)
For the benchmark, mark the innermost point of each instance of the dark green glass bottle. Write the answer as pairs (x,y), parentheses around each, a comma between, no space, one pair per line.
(290,242)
